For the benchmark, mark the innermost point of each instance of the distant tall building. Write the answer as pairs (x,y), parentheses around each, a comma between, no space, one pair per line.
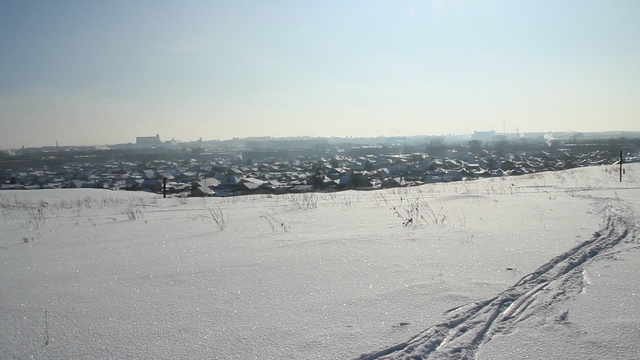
(484,136)
(148,140)
(488,136)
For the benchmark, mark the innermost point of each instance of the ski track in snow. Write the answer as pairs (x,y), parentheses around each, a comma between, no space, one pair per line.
(467,327)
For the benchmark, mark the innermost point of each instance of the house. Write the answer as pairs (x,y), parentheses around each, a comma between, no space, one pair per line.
(346,181)
(393,182)
(149,174)
(132,184)
(80,184)
(302,189)
(152,185)
(230,181)
(201,191)
(249,185)
(208,182)
(12,187)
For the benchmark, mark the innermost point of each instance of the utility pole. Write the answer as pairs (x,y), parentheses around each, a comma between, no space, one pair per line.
(164,187)
(621,161)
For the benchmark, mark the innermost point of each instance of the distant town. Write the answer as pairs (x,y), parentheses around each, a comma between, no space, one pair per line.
(265,165)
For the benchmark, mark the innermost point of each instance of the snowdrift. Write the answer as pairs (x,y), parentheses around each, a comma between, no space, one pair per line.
(537,266)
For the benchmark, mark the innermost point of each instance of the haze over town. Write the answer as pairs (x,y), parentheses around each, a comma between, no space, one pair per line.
(105,72)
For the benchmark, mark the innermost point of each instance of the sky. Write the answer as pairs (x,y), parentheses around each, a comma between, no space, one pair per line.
(104,72)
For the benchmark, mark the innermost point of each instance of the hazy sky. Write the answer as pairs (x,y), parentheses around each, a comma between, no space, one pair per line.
(104,72)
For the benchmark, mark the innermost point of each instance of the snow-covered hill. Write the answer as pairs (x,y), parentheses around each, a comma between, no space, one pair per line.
(538,266)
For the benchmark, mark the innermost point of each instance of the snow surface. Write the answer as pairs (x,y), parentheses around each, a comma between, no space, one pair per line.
(537,266)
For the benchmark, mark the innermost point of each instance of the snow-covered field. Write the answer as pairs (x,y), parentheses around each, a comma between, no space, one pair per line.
(538,266)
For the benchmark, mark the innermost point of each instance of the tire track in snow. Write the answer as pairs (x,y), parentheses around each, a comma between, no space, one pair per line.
(469,326)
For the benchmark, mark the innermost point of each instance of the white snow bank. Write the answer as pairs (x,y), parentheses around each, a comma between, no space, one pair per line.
(130,275)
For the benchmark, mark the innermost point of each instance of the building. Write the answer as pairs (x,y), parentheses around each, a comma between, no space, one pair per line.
(148,140)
